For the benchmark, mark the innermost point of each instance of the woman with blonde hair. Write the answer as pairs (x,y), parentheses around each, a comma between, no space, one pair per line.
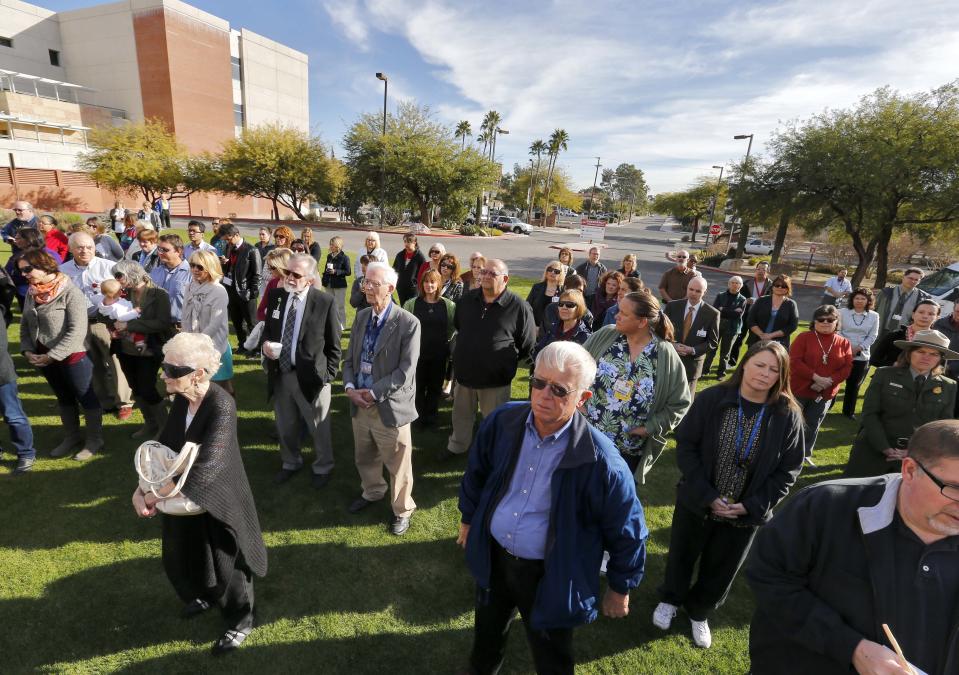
(569,325)
(276,264)
(546,291)
(372,250)
(206,310)
(209,557)
(334,277)
(628,268)
(312,247)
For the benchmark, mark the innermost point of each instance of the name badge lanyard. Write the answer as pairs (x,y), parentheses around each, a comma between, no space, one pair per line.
(374,335)
(743,451)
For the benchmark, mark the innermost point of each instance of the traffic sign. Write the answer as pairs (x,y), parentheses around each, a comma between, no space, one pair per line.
(592,230)
(715,230)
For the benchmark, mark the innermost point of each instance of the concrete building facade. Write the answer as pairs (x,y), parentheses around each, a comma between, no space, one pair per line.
(63,73)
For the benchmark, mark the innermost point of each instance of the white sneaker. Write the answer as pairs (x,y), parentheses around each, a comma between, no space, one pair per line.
(701,635)
(664,615)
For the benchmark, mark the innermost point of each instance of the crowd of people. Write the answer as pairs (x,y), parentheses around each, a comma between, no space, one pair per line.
(552,487)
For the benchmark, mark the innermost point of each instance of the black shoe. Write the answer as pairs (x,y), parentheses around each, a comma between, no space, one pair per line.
(284,475)
(850,417)
(445,455)
(195,608)
(358,505)
(23,465)
(720,374)
(228,642)
(399,526)
(320,480)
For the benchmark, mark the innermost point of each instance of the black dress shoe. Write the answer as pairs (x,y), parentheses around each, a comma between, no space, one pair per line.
(399,526)
(358,505)
(320,480)
(284,475)
(196,607)
(228,642)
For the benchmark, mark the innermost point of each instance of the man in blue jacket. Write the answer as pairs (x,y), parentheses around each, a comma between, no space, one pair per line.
(543,496)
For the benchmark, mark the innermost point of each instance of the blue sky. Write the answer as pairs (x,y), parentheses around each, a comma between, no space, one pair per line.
(663,85)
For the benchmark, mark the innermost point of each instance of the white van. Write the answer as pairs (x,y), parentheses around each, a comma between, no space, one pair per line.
(943,286)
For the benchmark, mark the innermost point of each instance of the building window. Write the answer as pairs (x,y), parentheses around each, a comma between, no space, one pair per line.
(6,42)
(235,64)
(54,57)
(237,115)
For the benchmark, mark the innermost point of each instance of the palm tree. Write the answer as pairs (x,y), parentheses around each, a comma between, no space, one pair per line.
(558,142)
(484,139)
(463,129)
(489,125)
(537,148)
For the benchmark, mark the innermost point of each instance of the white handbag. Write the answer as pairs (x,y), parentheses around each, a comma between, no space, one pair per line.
(157,465)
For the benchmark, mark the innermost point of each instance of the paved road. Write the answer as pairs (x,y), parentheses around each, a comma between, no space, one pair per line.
(528,255)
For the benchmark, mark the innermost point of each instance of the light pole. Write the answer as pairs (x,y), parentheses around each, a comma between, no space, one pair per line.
(386,84)
(741,242)
(712,210)
(592,194)
(529,194)
(495,134)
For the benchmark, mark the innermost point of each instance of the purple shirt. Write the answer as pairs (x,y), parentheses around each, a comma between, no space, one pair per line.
(521,520)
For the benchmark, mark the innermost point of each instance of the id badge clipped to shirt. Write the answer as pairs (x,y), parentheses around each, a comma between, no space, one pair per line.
(366,367)
(622,390)
(701,332)
(227,281)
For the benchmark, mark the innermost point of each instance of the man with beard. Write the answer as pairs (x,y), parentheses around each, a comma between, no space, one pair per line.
(844,557)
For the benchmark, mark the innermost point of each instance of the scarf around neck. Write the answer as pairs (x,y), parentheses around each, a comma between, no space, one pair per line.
(44,293)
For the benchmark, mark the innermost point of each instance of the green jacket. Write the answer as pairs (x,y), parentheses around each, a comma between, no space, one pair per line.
(891,410)
(450,311)
(670,400)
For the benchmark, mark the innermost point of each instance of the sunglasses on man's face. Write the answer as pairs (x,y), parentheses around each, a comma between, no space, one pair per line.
(295,275)
(556,390)
(299,249)
(164,250)
(175,372)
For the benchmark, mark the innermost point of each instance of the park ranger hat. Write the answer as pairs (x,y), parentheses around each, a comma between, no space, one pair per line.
(929,338)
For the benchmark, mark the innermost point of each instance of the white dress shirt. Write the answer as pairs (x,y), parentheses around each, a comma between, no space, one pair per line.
(89,278)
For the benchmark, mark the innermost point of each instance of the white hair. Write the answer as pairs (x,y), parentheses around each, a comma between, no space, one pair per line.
(389,274)
(77,236)
(438,247)
(195,350)
(305,258)
(569,357)
(499,263)
(738,280)
(373,235)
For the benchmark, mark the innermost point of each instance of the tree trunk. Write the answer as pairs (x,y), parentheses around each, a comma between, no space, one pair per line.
(426,213)
(275,213)
(781,234)
(692,238)
(741,242)
(864,255)
(882,255)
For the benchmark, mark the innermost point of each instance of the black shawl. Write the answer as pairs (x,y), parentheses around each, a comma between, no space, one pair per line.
(218,480)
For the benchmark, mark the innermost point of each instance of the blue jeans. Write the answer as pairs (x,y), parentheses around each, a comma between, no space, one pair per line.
(21,433)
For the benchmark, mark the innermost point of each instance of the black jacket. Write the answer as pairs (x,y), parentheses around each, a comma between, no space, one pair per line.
(778,461)
(707,319)
(539,301)
(407,271)
(491,339)
(317,345)
(341,270)
(822,574)
(729,318)
(218,481)
(787,319)
(245,273)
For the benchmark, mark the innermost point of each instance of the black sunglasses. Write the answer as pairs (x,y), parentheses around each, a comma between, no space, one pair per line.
(553,270)
(556,390)
(175,372)
(295,275)
(164,250)
(118,275)
(26,269)
(447,266)
(780,286)
(825,319)
(566,304)
(198,268)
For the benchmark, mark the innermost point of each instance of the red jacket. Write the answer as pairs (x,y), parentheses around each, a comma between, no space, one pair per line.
(57,241)
(805,358)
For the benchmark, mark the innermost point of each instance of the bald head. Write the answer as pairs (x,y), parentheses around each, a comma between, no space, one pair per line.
(695,290)
(82,247)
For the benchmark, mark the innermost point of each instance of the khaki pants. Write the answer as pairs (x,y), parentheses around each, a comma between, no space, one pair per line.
(376,445)
(465,400)
(109,382)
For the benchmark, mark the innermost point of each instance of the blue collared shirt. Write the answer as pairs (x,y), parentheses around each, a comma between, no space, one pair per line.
(174,282)
(365,380)
(521,520)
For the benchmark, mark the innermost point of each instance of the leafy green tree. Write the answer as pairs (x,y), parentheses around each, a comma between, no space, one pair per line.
(891,162)
(422,164)
(282,164)
(631,186)
(145,157)
(691,205)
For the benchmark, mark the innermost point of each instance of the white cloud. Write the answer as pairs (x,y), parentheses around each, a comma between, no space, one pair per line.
(346,15)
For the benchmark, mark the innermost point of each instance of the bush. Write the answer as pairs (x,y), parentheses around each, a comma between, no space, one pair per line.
(756,259)
(468,230)
(450,225)
(712,260)
(685,237)
(66,219)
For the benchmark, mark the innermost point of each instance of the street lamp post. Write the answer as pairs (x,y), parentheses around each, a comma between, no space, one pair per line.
(741,243)
(529,194)
(592,194)
(382,76)
(712,210)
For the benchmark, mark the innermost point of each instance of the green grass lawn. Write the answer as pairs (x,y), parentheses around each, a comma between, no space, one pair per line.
(82,589)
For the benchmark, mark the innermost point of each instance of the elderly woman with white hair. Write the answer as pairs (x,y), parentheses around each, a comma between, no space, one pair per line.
(435,255)
(732,307)
(209,557)
(138,342)
(373,250)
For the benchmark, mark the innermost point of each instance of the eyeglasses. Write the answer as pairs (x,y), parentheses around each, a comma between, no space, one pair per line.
(780,285)
(295,275)
(26,269)
(174,372)
(681,257)
(164,250)
(197,268)
(118,275)
(447,266)
(491,273)
(553,270)
(556,390)
(371,284)
(299,249)
(825,319)
(20,210)
(566,304)
(947,491)
(434,252)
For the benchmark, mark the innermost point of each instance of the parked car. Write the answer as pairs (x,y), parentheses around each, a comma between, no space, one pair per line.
(510,224)
(943,286)
(755,247)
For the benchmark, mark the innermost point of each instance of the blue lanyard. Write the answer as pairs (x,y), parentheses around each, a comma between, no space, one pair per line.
(373,334)
(743,452)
